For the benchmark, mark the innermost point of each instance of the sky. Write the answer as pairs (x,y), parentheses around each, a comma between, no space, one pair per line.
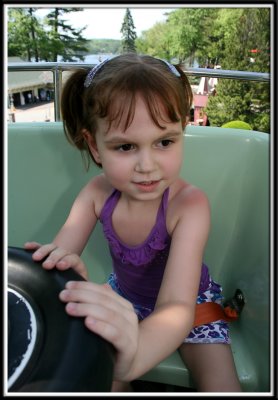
(106,23)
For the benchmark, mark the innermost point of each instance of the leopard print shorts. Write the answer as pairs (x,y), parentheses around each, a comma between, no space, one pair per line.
(215,332)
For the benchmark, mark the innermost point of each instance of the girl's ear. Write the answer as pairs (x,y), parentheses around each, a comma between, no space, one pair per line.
(91,143)
(186,122)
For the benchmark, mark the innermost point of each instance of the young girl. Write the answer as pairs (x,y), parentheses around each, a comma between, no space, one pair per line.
(128,114)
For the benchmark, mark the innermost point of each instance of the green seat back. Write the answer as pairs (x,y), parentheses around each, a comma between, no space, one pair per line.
(45,173)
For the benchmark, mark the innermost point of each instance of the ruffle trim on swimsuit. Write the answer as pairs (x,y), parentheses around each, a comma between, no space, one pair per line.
(136,255)
(142,254)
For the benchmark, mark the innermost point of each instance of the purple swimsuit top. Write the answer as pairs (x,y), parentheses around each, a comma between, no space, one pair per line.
(139,269)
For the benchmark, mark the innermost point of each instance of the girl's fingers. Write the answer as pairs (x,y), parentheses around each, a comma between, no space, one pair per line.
(55,257)
(104,329)
(93,294)
(75,262)
(32,245)
(107,314)
(117,334)
(111,316)
(124,338)
(101,305)
(43,251)
(58,257)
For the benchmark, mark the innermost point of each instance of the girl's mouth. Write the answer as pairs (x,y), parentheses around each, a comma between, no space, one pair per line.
(147,186)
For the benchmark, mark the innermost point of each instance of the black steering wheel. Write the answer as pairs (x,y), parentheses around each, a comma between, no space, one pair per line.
(49,351)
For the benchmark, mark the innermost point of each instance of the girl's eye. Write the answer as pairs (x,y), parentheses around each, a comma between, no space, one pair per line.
(166,142)
(125,147)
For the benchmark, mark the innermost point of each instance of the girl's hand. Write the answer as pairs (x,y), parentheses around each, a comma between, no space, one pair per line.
(56,257)
(108,315)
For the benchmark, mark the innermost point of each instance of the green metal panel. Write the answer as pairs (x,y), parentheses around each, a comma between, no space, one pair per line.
(45,173)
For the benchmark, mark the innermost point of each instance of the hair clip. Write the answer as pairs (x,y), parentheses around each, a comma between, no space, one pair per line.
(93,71)
(171,67)
(96,68)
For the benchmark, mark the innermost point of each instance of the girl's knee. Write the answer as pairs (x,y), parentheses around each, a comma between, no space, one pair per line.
(212,367)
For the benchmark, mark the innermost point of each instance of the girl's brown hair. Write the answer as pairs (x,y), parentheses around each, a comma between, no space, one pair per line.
(112,95)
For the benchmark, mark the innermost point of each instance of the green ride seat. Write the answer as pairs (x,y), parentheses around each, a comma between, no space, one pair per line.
(45,173)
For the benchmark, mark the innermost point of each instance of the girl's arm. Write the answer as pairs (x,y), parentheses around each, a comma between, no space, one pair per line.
(72,238)
(142,346)
(165,329)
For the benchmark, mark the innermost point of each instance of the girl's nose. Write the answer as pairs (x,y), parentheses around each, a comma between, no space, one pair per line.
(145,162)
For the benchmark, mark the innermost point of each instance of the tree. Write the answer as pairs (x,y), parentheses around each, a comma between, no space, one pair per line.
(222,36)
(245,29)
(23,31)
(100,46)
(188,32)
(128,33)
(32,39)
(155,41)
(65,41)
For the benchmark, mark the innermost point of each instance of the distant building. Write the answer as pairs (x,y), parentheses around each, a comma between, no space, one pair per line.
(201,94)
(200,102)
(26,87)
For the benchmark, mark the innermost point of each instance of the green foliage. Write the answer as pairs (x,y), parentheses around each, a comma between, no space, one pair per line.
(31,38)
(231,102)
(223,36)
(236,100)
(242,30)
(104,46)
(65,41)
(23,30)
(262,122)
(155,42)
(186,32)
(237,125)
(128,33)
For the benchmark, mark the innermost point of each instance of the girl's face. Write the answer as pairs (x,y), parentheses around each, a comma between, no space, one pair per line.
(142,161)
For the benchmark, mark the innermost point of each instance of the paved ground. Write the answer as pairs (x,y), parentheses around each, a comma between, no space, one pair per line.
(34,113)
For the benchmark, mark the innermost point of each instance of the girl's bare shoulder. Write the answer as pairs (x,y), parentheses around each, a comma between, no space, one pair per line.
(99,189)
(185,201)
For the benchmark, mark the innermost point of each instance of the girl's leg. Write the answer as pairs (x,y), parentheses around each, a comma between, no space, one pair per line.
(211,366)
